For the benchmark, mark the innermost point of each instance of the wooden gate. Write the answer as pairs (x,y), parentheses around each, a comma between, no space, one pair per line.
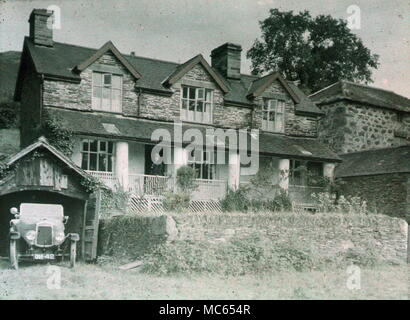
(90,227)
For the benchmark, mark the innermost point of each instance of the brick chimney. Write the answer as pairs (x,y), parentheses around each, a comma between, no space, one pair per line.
(40,33)
(227,60)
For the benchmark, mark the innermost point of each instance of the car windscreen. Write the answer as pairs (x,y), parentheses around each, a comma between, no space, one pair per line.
(41,211)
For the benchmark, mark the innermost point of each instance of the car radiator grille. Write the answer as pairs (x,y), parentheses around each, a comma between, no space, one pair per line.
(44,236)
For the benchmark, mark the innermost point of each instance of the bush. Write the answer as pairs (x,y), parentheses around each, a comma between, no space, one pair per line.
(176,202)
(241,200)
(181,198)
(235,200)
(237,257)
(328,202)
(186,178)
(9,115)
(114,201)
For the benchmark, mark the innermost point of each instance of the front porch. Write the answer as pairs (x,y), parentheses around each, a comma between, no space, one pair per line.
(129,166)
(152,185)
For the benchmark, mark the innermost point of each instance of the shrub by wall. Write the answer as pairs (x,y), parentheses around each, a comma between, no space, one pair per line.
(242,243)
(130,237)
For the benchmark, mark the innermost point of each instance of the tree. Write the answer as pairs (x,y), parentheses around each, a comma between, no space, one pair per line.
(9,114)
(317,51)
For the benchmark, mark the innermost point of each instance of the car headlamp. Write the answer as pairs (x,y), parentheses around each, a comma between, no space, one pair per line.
(31,235)
(59,236)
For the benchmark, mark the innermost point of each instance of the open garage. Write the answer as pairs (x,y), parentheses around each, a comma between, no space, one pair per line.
(41,174)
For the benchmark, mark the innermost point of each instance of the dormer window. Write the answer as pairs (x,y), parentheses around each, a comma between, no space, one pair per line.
(273,115)
(107,92)
(196,104)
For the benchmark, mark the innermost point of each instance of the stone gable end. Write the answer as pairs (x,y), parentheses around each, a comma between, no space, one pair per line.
(296,125)
(78,96)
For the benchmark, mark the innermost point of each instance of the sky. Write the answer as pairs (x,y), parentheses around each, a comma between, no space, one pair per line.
(177,30)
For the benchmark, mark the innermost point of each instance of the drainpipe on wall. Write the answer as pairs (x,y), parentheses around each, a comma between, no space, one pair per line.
(41,103)
(139,102)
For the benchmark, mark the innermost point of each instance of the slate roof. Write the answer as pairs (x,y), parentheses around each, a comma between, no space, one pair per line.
(379,161)
(185,67)
(44,144)
(117,126)
(362,94)
(61,59)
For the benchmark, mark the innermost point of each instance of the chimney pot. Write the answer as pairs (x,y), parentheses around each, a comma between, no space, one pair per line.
(227,60)
(40,32)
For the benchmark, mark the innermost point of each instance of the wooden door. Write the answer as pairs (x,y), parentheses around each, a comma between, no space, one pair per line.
(90,226)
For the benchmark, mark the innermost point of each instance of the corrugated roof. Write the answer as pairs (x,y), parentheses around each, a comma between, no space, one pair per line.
(362,94)
(371,162)
(96,123)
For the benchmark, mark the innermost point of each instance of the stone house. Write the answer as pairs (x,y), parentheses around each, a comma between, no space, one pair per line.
(114,103)
(370,130)
(359,117)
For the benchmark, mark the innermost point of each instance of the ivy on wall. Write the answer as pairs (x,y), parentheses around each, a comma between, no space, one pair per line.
(58,135)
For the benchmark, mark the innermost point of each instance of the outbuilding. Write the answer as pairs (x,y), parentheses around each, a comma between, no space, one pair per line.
(40,173)
(381,177)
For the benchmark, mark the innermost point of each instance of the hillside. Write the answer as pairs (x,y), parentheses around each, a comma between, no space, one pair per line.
(9,64)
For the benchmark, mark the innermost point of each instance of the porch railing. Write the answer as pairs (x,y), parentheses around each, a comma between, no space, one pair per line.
(108,178)
(142,184)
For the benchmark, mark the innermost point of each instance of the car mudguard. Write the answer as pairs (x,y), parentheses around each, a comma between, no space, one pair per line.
(14,235)
(74,236)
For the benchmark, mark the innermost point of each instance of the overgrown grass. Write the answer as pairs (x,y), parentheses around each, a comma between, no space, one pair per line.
(103,283)
(249,256)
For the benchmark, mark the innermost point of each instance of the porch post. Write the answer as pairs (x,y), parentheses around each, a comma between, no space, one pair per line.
(329,170)
(284,179)
(234,170)
(180,158)
(121,163)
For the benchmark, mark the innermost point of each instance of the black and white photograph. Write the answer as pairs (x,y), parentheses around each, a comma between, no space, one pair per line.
(220,152)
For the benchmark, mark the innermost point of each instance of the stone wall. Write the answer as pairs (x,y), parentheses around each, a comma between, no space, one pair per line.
(326,234)
(387,193)
(349,127)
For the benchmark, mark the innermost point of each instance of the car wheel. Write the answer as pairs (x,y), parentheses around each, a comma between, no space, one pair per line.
(73,253)
(14,254)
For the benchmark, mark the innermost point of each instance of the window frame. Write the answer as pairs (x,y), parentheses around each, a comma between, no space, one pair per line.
(268,109)
(303,179)
(103,86)
(99,152)
(197,116)
(205,162)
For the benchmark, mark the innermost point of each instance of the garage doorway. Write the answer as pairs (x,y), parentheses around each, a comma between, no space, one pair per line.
(74,208)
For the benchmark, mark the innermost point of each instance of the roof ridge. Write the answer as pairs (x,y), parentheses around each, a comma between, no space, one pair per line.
(372,150)
(124,54)
(367,86)
(374,88)
(152,59)
(325,88)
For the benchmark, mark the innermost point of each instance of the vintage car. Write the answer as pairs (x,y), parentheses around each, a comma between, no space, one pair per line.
(37,233)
